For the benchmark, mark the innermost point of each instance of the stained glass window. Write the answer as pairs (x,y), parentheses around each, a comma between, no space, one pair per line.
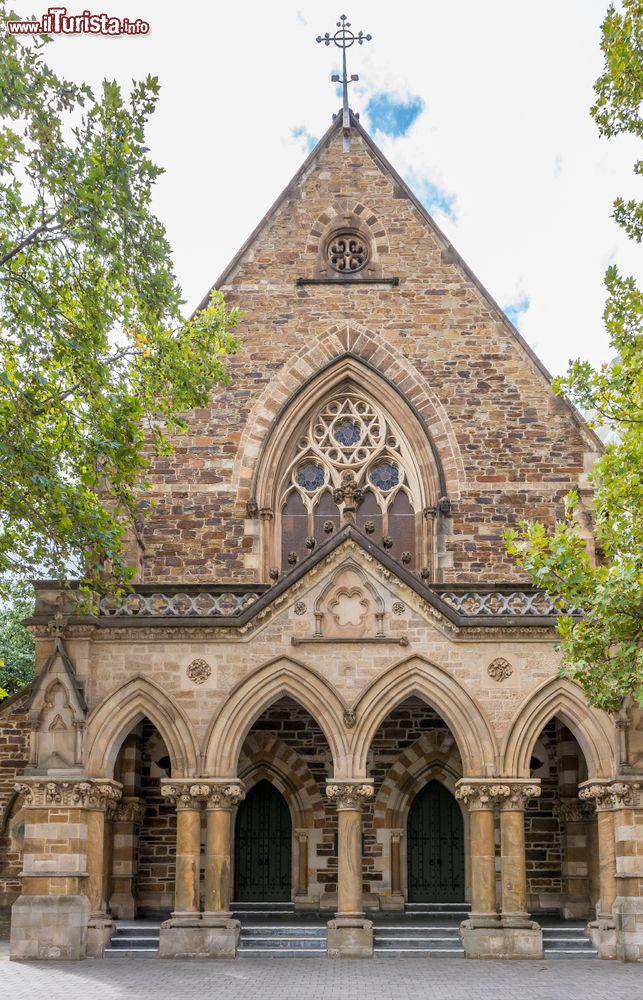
(385,476)
(347,432)
(310,477)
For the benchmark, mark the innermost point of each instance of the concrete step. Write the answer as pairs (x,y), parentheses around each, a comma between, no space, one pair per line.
(281,952)
(134,939)
(567,942)
(262,907)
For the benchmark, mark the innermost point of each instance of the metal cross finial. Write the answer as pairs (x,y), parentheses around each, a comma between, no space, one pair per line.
(343,39)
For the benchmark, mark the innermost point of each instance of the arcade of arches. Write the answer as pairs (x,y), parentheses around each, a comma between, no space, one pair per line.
(330,686)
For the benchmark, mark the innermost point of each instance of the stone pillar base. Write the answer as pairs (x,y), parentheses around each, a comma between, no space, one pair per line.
(497,940)
(395,902)
(350,937)
(628,917)
(602,933)
(99,934)
(207,937)
(49,927)
(122,906)
(576,909)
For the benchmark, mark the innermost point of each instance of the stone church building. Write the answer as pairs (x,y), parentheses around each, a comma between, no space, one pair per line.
(331,690)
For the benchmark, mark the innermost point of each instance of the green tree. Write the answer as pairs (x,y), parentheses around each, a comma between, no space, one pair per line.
(603,648)
(96,359)
(16,644)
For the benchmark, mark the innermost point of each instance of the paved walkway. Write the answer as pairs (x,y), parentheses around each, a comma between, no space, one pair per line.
(318,979)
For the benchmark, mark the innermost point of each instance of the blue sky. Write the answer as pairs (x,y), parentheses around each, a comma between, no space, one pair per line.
(393,116)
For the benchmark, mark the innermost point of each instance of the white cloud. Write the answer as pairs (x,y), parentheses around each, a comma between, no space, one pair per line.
(506,129)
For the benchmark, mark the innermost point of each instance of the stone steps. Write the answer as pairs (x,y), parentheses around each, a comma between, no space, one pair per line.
(567,942)
(134,939)
(282,941)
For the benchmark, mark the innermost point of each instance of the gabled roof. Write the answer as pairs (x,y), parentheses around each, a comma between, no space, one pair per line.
(447,247)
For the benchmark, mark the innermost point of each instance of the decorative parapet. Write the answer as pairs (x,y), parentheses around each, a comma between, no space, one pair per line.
(209,603)
(611,794)
(496,795)
(78,794)
(348,794)
(503,603)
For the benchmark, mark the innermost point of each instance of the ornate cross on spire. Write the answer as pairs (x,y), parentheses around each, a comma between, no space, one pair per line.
(343,39)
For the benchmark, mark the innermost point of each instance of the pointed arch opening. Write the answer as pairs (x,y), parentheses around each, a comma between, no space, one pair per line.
(121,711)
(348,441)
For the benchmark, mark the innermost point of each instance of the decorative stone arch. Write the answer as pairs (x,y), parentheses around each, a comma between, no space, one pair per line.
(562,699)
(344,351)
(265,755)
(348,215)
(116,716)
(257,692)
(417,676)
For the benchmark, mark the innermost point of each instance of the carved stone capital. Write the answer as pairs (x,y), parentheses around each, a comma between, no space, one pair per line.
(611,795)
(349,795)
(225,795)
(481,796)
(302,835)
(517,794)
(79,794)
(574,811)
(186,796)
(396,836)
(130,810)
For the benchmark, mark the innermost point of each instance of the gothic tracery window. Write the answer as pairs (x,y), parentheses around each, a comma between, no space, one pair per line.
(350,435)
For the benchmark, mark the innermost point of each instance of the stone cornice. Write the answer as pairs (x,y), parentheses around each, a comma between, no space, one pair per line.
(349,794)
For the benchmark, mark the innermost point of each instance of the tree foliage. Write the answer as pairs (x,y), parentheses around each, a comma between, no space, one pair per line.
(17,646)
(603,648)
(96,360)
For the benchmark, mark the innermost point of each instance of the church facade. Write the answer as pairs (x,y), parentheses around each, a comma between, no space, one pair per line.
(331,686)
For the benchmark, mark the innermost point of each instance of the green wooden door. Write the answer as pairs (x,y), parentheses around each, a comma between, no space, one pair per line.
(435,846)
(263,847)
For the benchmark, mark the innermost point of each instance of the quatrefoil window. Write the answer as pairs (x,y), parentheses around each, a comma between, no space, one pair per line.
(347,252)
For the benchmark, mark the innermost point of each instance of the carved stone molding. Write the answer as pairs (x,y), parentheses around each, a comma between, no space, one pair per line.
(574,811)
(199,670)
(611,795)
(347,795)
(81,794)
(499,669)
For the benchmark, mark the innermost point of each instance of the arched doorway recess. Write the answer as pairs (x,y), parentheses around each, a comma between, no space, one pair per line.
(435,853)
(263,847)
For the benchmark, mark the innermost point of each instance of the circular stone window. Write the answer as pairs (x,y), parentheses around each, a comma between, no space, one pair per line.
(347,252)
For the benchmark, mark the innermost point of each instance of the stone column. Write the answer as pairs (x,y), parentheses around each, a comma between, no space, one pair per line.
(481,800)
(222,929)
(62,867)
(302,863)
(523,936)
(181,934)
(350,935)
(396,862)
(617,931)
(99,800)
(127,820)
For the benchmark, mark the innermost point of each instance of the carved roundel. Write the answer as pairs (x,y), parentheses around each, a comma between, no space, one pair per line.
(199,671)
(499,669)
(347,252)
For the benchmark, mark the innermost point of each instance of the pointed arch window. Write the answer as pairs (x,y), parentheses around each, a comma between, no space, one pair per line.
(350,434)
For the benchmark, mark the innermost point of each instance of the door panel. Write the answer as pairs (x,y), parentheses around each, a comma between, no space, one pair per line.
(435,844)
(263,847)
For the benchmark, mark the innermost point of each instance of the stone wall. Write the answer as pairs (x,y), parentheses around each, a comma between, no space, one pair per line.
(14,754)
